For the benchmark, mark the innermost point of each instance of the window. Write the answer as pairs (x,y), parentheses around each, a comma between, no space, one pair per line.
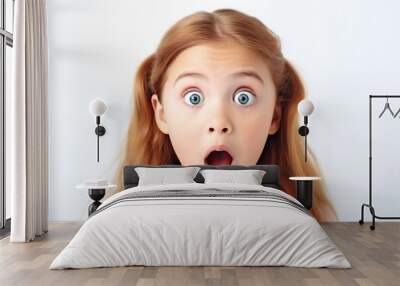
(6,44)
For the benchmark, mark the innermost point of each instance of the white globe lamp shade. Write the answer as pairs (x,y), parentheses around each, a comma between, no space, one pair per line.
(97,107)
(305,107)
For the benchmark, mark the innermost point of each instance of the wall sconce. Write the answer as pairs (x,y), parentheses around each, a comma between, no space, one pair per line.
(97,107)
(305,108)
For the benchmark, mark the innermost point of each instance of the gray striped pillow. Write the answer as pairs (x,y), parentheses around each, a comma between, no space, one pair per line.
(249,177)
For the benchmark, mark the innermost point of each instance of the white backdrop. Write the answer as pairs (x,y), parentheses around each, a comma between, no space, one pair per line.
(344,50)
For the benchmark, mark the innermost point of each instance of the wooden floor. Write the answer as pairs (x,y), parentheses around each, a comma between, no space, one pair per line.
(374,255)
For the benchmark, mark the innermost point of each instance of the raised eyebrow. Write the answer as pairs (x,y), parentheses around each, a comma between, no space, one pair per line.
(190,74)
(236,74)
(249,74)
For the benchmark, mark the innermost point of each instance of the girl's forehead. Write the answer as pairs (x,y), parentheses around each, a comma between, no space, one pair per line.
(217,58)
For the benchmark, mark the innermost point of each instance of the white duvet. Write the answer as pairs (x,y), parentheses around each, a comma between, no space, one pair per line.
(182,231)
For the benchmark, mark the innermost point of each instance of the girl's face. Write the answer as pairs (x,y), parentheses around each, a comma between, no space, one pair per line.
(218,105)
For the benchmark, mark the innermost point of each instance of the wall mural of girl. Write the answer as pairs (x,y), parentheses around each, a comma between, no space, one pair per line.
(219,91)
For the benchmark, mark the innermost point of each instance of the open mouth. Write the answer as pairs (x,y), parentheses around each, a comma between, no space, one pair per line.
(217,158)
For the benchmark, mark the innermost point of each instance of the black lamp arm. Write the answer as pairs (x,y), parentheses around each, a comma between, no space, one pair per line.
(100,131)
(303,131)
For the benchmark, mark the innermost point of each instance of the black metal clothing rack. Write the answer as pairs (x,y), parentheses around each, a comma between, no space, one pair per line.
(369,205)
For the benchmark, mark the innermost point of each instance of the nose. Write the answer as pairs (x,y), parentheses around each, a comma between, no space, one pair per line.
(223,130)
(220,124)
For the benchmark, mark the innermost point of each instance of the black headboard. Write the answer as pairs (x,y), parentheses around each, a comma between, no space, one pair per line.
(270,179)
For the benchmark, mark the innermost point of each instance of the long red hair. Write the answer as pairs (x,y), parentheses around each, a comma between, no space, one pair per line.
(146,144)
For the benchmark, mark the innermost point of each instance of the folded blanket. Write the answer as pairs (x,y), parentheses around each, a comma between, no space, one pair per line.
(201,224)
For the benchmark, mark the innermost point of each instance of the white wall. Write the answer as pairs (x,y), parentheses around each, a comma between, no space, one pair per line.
(345,50)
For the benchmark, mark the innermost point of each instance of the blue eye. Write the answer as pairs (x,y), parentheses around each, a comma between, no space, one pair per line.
(193,98)
(244,98)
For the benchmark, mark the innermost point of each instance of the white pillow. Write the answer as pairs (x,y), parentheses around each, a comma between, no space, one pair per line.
(162,176)
(249,177)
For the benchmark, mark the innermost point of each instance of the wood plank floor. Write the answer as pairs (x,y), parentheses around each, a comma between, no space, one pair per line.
(374,255)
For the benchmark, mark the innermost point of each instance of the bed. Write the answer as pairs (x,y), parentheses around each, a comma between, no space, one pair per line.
(201,223)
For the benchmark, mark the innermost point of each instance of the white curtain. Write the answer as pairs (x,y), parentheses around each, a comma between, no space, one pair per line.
(28,123)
